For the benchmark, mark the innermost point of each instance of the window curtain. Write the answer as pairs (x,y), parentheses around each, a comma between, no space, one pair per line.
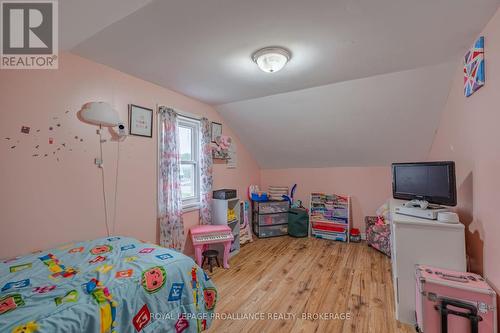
(206,179)
(169,197)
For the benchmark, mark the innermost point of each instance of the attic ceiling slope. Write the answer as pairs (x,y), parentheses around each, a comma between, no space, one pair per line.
(202,48)
(365,122)
(80,19)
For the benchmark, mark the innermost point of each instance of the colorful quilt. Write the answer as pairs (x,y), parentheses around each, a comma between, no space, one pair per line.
(114,284)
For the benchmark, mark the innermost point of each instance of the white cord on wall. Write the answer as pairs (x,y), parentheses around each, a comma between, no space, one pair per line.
(116,186)
(103,182)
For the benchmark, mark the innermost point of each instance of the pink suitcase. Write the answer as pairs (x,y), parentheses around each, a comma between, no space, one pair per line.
(454,302)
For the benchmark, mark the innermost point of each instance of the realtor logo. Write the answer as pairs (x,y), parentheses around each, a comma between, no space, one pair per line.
(29,34)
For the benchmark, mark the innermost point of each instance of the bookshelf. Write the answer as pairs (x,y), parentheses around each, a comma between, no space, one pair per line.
(330,216)
(227,212)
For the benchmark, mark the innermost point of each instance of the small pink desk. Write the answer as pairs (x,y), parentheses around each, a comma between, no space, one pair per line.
(204,235)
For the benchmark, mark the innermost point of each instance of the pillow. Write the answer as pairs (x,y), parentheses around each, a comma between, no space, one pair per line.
(384,212)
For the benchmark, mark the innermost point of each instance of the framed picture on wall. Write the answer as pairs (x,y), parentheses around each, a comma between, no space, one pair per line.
(216,130)
(140,121)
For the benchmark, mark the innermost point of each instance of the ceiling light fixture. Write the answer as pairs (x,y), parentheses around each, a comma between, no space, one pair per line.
(271,59)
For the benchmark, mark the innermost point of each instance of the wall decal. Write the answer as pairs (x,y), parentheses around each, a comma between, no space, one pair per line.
(36,141)
(474,77)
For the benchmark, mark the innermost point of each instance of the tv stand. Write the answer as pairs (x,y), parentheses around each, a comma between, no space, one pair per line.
(416,241)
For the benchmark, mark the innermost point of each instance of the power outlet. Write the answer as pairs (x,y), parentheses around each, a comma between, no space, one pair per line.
(98,162)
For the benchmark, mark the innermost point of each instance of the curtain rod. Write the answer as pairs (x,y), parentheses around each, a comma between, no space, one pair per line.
(180,113)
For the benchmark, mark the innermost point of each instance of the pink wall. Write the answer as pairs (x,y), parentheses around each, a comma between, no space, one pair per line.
(369,187)
(43,201)
(469,134)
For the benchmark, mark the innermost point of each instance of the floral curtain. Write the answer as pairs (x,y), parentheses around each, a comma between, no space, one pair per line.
(169,198)
(206,179)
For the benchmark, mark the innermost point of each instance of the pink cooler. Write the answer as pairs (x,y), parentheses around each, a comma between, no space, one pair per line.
(454,302)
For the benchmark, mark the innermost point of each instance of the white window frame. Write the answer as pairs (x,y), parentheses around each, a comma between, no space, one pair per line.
(192,203)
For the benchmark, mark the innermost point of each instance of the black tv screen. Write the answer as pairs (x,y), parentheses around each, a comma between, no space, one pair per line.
(430,181)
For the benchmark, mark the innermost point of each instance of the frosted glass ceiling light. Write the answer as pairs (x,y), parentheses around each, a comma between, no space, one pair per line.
(271,59)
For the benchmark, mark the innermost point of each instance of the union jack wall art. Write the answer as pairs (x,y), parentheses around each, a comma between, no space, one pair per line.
(474,68)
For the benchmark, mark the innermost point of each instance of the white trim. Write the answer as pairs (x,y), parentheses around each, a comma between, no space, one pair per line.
(194,125)
(190,208)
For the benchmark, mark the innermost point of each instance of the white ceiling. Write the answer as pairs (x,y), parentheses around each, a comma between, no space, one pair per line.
(364,122)
(80,20)
(202,48)
(331,91)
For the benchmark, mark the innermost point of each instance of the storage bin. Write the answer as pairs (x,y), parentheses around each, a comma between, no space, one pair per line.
(272,231)
(224,194)
(298,222)
(329,227)
(271,207)
(330,235)
(272,219)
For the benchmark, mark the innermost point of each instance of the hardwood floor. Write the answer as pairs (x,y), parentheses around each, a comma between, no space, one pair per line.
(285,276)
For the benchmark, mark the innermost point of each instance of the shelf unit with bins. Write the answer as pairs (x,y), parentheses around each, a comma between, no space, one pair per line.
(221,216)
(330,216)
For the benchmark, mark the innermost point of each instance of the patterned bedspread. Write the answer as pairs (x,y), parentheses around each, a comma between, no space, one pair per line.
(115,284)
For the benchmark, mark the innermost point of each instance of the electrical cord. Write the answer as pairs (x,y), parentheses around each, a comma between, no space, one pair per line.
(103,183)
(116,186)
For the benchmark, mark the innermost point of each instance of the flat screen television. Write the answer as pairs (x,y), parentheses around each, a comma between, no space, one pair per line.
(431,181)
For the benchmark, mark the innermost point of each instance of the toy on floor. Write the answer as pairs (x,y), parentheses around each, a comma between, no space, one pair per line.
(355,235)
(231,214)
(255,194)
(245,231)
(204,235)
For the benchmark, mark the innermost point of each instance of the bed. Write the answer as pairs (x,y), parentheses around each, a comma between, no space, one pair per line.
(114,284)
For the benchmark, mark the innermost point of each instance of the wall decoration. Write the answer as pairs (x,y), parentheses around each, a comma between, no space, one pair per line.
(140,121)
(216,131)
(221,149)
(474,68)
(39,142)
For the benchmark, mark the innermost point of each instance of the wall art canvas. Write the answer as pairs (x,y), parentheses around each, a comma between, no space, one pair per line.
(474,68)
(140,121)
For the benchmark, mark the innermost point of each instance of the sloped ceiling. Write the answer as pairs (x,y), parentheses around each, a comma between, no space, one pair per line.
(80,20)
(364,122)
(356,63)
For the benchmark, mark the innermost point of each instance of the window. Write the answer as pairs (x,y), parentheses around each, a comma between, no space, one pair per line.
(189,145)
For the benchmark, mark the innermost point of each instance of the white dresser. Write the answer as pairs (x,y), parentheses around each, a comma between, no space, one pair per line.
(420,241)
